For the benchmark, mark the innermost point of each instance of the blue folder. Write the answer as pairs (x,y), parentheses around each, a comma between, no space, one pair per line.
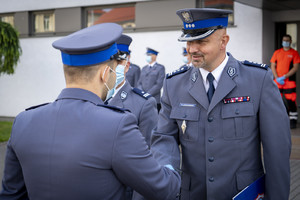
(254,191)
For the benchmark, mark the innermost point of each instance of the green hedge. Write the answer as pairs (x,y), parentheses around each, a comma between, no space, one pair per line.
(5,129)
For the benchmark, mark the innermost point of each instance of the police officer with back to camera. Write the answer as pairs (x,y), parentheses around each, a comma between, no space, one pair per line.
(152,76)
(133,73)
(77,147)
(140,103)
(220,111)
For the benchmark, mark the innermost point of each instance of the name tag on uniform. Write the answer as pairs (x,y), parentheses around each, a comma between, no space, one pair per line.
(187,105)
(236,99)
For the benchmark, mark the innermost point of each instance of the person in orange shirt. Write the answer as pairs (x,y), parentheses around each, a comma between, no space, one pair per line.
(284,65)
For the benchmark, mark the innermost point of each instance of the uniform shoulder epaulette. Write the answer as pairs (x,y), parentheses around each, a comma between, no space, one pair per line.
(34,107)
(142,93)
(115,108)
(178,71)
(254,64)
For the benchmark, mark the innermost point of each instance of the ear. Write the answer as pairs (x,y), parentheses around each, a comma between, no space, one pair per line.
(224,41)
(104,71)
(127,67)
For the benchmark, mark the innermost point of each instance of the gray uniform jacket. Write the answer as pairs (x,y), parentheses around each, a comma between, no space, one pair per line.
(221,141)
(151,80)
(78,148)
(141,104)
(133,75)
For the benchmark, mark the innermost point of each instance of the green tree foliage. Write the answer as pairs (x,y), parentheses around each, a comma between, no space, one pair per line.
(10,50)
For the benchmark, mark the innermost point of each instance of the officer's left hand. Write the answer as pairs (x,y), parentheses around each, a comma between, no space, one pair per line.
(280,80)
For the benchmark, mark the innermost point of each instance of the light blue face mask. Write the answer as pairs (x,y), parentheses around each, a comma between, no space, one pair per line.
(185,60)
(285,44)
(148,58)
(120,74)
(110,91)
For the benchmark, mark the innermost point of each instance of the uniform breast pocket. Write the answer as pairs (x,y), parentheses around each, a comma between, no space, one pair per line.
(187,118)
(238,120)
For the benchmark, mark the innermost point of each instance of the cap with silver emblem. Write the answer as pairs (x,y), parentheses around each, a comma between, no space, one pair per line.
(199,23)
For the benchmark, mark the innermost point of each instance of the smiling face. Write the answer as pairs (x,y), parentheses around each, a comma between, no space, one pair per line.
(208,53)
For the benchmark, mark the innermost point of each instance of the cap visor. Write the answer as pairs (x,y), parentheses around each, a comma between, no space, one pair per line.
(188,37)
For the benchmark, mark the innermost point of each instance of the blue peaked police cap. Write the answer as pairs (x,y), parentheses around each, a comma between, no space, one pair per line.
(199,23)
(89,46)
(151,51)
(123,43)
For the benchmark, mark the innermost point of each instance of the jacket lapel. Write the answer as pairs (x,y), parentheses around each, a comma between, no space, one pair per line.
(226,83)
(197,90)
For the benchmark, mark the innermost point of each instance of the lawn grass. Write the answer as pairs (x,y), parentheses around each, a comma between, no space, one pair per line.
(5,129)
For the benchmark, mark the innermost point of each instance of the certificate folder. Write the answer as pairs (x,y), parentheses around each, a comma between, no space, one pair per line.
(254,191)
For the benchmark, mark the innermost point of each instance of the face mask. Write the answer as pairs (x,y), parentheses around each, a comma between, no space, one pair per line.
(120,74)
(148,59)
(285,44)
(185,60)
(110,91)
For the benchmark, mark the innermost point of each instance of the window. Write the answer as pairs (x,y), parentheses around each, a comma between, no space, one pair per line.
(124,16)
(220,4)
(44,22)
(8,19)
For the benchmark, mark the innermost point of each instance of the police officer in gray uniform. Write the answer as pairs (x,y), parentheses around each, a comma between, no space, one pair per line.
(220,111)
(152,76)
(77,147)
(133,74)
(140,103)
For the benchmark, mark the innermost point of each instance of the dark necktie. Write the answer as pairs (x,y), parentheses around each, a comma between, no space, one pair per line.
(211,88)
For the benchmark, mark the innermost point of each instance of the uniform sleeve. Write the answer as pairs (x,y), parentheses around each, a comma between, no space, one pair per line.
(155,89)
(274,57)
(165,141)
(13,185)
(135,166)
(148,118)
(276,141)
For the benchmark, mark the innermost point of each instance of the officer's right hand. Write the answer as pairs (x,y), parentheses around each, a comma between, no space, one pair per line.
(280,80)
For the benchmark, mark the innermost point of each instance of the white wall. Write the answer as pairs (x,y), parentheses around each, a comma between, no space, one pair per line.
(39,75)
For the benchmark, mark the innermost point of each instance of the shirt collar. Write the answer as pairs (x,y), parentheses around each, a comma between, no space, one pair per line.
(151,65)
(216,72)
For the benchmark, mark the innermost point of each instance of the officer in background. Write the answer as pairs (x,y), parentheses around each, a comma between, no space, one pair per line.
(77,147)
(152,76)
(140,103)
(284,64)
(134,72)
(220,111)
(186,58)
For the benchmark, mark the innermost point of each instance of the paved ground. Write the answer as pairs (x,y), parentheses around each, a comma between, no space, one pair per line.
(295,163)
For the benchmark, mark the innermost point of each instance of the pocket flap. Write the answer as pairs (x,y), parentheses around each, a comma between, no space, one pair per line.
(185,113)
(242,109)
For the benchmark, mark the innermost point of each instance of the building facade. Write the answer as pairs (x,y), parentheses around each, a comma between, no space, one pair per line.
(255,30)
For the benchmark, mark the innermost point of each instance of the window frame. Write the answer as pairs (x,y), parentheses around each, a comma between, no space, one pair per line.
(32,23)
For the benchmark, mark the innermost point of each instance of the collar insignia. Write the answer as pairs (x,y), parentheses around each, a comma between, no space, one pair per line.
(231,71)
(123,95)
(194,76)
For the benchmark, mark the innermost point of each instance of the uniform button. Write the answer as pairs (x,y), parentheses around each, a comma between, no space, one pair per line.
(184,116)
(210,119)
(211,179)
(237,111)
(211,159)
(211,139)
